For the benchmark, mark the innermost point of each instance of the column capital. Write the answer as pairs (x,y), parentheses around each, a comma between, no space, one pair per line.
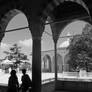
(55,39)
(57,28)
(36,27)
(55,31)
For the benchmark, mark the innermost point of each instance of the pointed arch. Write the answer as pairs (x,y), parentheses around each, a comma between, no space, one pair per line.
(8,16)
(47,63)
(59,63)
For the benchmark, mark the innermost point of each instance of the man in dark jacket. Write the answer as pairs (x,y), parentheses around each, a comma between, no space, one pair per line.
(26,81)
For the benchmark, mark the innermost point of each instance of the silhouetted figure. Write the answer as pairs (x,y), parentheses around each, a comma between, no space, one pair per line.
(13,84)
(26,81)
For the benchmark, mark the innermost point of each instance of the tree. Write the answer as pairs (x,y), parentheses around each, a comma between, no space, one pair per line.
(15,54)
(80,50)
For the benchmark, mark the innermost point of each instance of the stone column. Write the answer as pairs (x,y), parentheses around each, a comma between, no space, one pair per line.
(37,29)
(55,39)
(36,64)
(56,30)
(55,49)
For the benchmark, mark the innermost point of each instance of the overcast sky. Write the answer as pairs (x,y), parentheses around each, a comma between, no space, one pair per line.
(24,39)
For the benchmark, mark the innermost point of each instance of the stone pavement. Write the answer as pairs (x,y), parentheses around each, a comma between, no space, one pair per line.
(49,87)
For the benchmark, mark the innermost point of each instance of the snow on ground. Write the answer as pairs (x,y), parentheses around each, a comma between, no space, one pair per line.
(5,76)
(45,76)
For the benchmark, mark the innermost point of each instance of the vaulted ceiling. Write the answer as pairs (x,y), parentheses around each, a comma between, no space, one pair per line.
(58,9)
(52,10)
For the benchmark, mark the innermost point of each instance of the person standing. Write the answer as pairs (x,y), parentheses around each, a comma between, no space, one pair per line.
(13,84)
(26,81)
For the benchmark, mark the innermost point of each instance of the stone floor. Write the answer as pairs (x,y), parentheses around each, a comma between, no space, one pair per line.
(49,87)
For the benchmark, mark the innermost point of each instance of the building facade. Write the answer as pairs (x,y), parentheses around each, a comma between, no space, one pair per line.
(48,60)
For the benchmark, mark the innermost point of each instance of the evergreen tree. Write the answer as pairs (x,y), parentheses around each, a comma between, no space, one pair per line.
(80,50)
(16,55)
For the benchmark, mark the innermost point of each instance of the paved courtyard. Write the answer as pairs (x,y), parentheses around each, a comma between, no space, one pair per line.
(47,79)
(46,76)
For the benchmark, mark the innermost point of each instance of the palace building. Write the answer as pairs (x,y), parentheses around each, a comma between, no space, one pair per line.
(48,58)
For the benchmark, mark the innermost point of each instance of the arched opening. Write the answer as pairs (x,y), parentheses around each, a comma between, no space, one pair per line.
(72,29)
(59,63)
(46,63)
(12,24)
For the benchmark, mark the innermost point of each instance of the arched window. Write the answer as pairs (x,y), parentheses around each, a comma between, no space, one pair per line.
(47,63)
(59,63)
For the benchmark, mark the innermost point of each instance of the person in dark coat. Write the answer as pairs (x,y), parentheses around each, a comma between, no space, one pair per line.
(26,81)
(13,84)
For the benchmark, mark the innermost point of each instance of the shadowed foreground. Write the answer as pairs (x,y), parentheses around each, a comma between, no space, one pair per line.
(49,87)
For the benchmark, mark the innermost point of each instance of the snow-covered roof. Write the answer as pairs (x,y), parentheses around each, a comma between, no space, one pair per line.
(65,43)
(6,62)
